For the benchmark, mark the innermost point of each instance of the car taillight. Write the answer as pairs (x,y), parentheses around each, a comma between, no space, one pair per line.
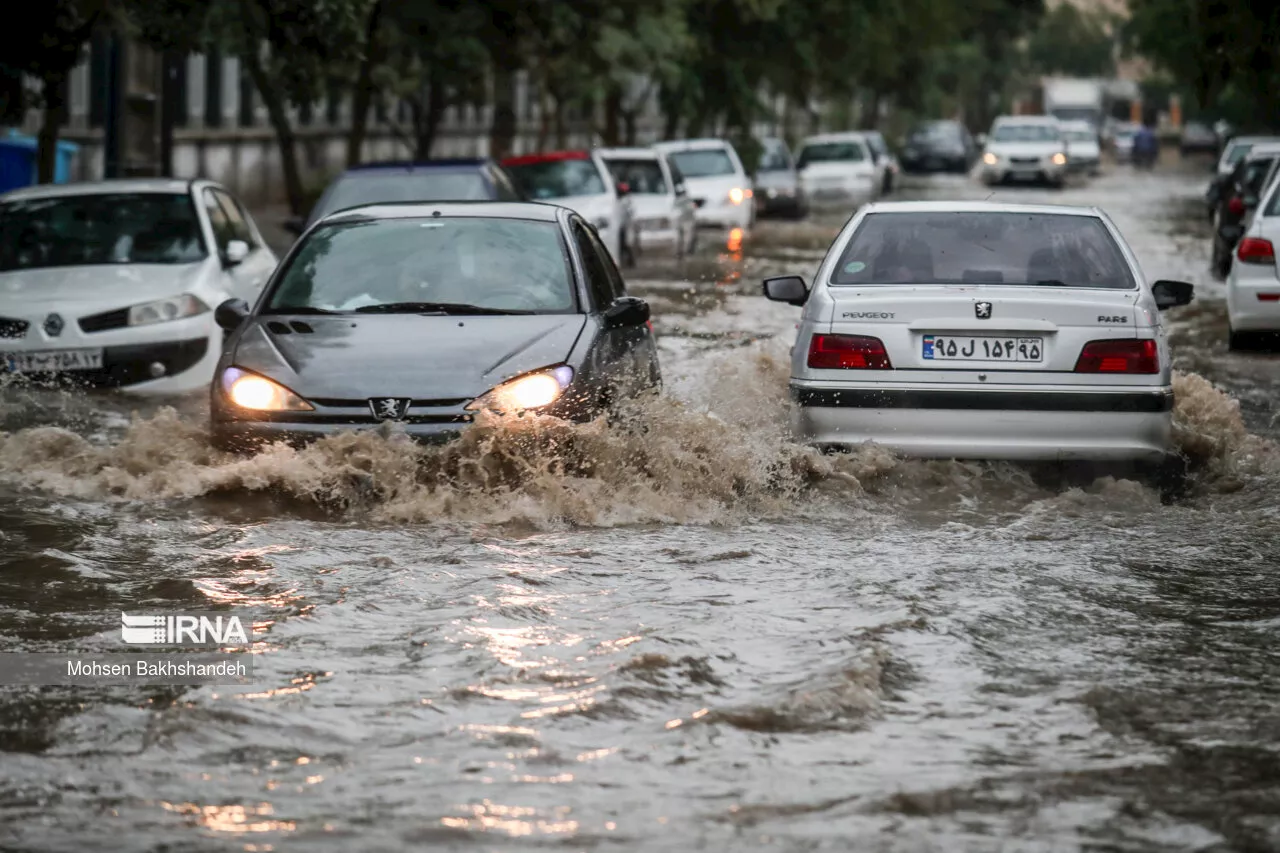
(1254,250)
(1236,206)
(1120,356)
(848,352)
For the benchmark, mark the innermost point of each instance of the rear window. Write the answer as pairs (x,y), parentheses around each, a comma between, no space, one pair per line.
(774,158)
(704,163)
(373,187)
(1051,250)
(831,152)
(642,177)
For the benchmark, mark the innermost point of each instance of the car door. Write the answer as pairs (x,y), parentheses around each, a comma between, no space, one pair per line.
(243,279)
(613,356)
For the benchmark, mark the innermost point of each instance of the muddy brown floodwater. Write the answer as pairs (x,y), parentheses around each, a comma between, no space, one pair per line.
(696,636)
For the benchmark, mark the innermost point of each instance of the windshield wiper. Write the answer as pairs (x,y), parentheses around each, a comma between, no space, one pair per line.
(298,309)
(1051,282)
(433,308)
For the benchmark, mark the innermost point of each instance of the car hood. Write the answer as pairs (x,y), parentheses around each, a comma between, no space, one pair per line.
(87,289)
(1025,149)
(836,169)
(404,355)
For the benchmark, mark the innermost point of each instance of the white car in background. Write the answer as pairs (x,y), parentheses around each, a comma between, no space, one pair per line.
(716,181)
(660,202)
(1084,153)
(840,169)
(1025,148)
(1253,283)
(975,330)
(580,181)
(115,283)
(885,158)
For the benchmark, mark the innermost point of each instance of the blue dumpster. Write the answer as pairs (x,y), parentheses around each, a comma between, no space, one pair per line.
(18,162)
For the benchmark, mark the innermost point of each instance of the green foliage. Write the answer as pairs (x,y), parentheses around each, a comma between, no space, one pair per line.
(1073,43)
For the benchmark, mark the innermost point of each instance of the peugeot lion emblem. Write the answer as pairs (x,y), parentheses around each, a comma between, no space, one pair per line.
(53,325)
(390,408)
(982,310)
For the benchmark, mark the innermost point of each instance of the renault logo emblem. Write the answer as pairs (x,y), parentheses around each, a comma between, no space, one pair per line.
(982,310)
(390,408)
(53,325)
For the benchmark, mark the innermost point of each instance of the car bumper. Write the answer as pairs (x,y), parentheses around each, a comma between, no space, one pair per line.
(1246,311)
(936,163)
(251,435)
(724,216)
(779,205)
(1013,425)
(170,365)
(1017,172)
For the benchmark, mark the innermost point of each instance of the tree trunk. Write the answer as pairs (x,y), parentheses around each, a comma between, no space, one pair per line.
(560,125)
(502,134)
(427,118)
(54,93)
(546,114)
(870,110)
(362,97)
(612,115)
(279,118)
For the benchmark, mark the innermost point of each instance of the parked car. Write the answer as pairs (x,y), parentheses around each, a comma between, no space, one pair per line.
(1234,151)
(1240,194)
(1198,138)
(716,180)
(114,283)
(1041,341)
(580,180)
(1084,154)
(1253,283)
(659,200)
(883,156)
(426,315)
(936,146)
(427,180)
(1025,148)
(777,185)
(839,169)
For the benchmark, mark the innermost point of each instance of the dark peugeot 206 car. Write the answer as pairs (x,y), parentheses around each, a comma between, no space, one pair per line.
(427,314)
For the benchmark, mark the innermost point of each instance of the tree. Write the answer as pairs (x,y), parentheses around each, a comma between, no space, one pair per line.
(1073,43)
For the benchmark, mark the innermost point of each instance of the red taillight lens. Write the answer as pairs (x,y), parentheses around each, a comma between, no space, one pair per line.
(848,352)
(1236,206)
(1122,356)
(1254,250)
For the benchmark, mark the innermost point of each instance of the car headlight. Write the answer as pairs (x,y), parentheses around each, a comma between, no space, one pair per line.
(737,195)
(535,390)
(1059,159)
(260,394)
(600,223)
(165,310)
(990,159)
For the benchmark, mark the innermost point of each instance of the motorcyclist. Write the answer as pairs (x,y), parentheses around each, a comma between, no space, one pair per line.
(1146,148)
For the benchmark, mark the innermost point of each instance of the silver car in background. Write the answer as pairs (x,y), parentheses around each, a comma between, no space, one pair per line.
(983,331)
(777,186)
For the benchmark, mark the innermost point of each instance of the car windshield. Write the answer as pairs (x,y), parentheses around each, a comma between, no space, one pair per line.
(937,132)
(493,264)
(105,228)
(965,247)
(643,177)
(558,178)
(376,187)
(704,163)
(1079,136)
(831,152)
(1026,133)
(1236,153)
(774,158)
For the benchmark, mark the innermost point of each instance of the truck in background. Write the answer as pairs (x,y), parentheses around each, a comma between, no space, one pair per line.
(1074,99)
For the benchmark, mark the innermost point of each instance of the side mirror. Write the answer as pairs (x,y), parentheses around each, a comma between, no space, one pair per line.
(231,313)
(1170,294)
(626,311)
(295,225)
(624,189)
(235,253)
(790,289)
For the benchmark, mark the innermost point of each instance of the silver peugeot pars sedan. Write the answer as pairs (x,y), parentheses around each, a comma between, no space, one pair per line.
(984,331)
(426,315)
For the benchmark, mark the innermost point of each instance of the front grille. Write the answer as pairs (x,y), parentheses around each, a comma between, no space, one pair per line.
(337,403)
(107,320)
(1024,161)
(11,328)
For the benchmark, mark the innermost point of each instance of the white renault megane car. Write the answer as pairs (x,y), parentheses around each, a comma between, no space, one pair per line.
(114,283)
(983,331)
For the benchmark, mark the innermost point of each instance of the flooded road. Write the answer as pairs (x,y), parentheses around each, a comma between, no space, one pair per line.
(695,636)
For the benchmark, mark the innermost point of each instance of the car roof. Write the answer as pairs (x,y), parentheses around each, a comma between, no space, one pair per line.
(692,144)
(124,185)
(633,153)
(979,207)
(443,165)
(1026,120)
(1252,140)
(417,210)
(1263,150)
(547,157)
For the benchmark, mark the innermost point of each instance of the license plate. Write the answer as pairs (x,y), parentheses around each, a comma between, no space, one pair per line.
(956,348)
(53,361)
